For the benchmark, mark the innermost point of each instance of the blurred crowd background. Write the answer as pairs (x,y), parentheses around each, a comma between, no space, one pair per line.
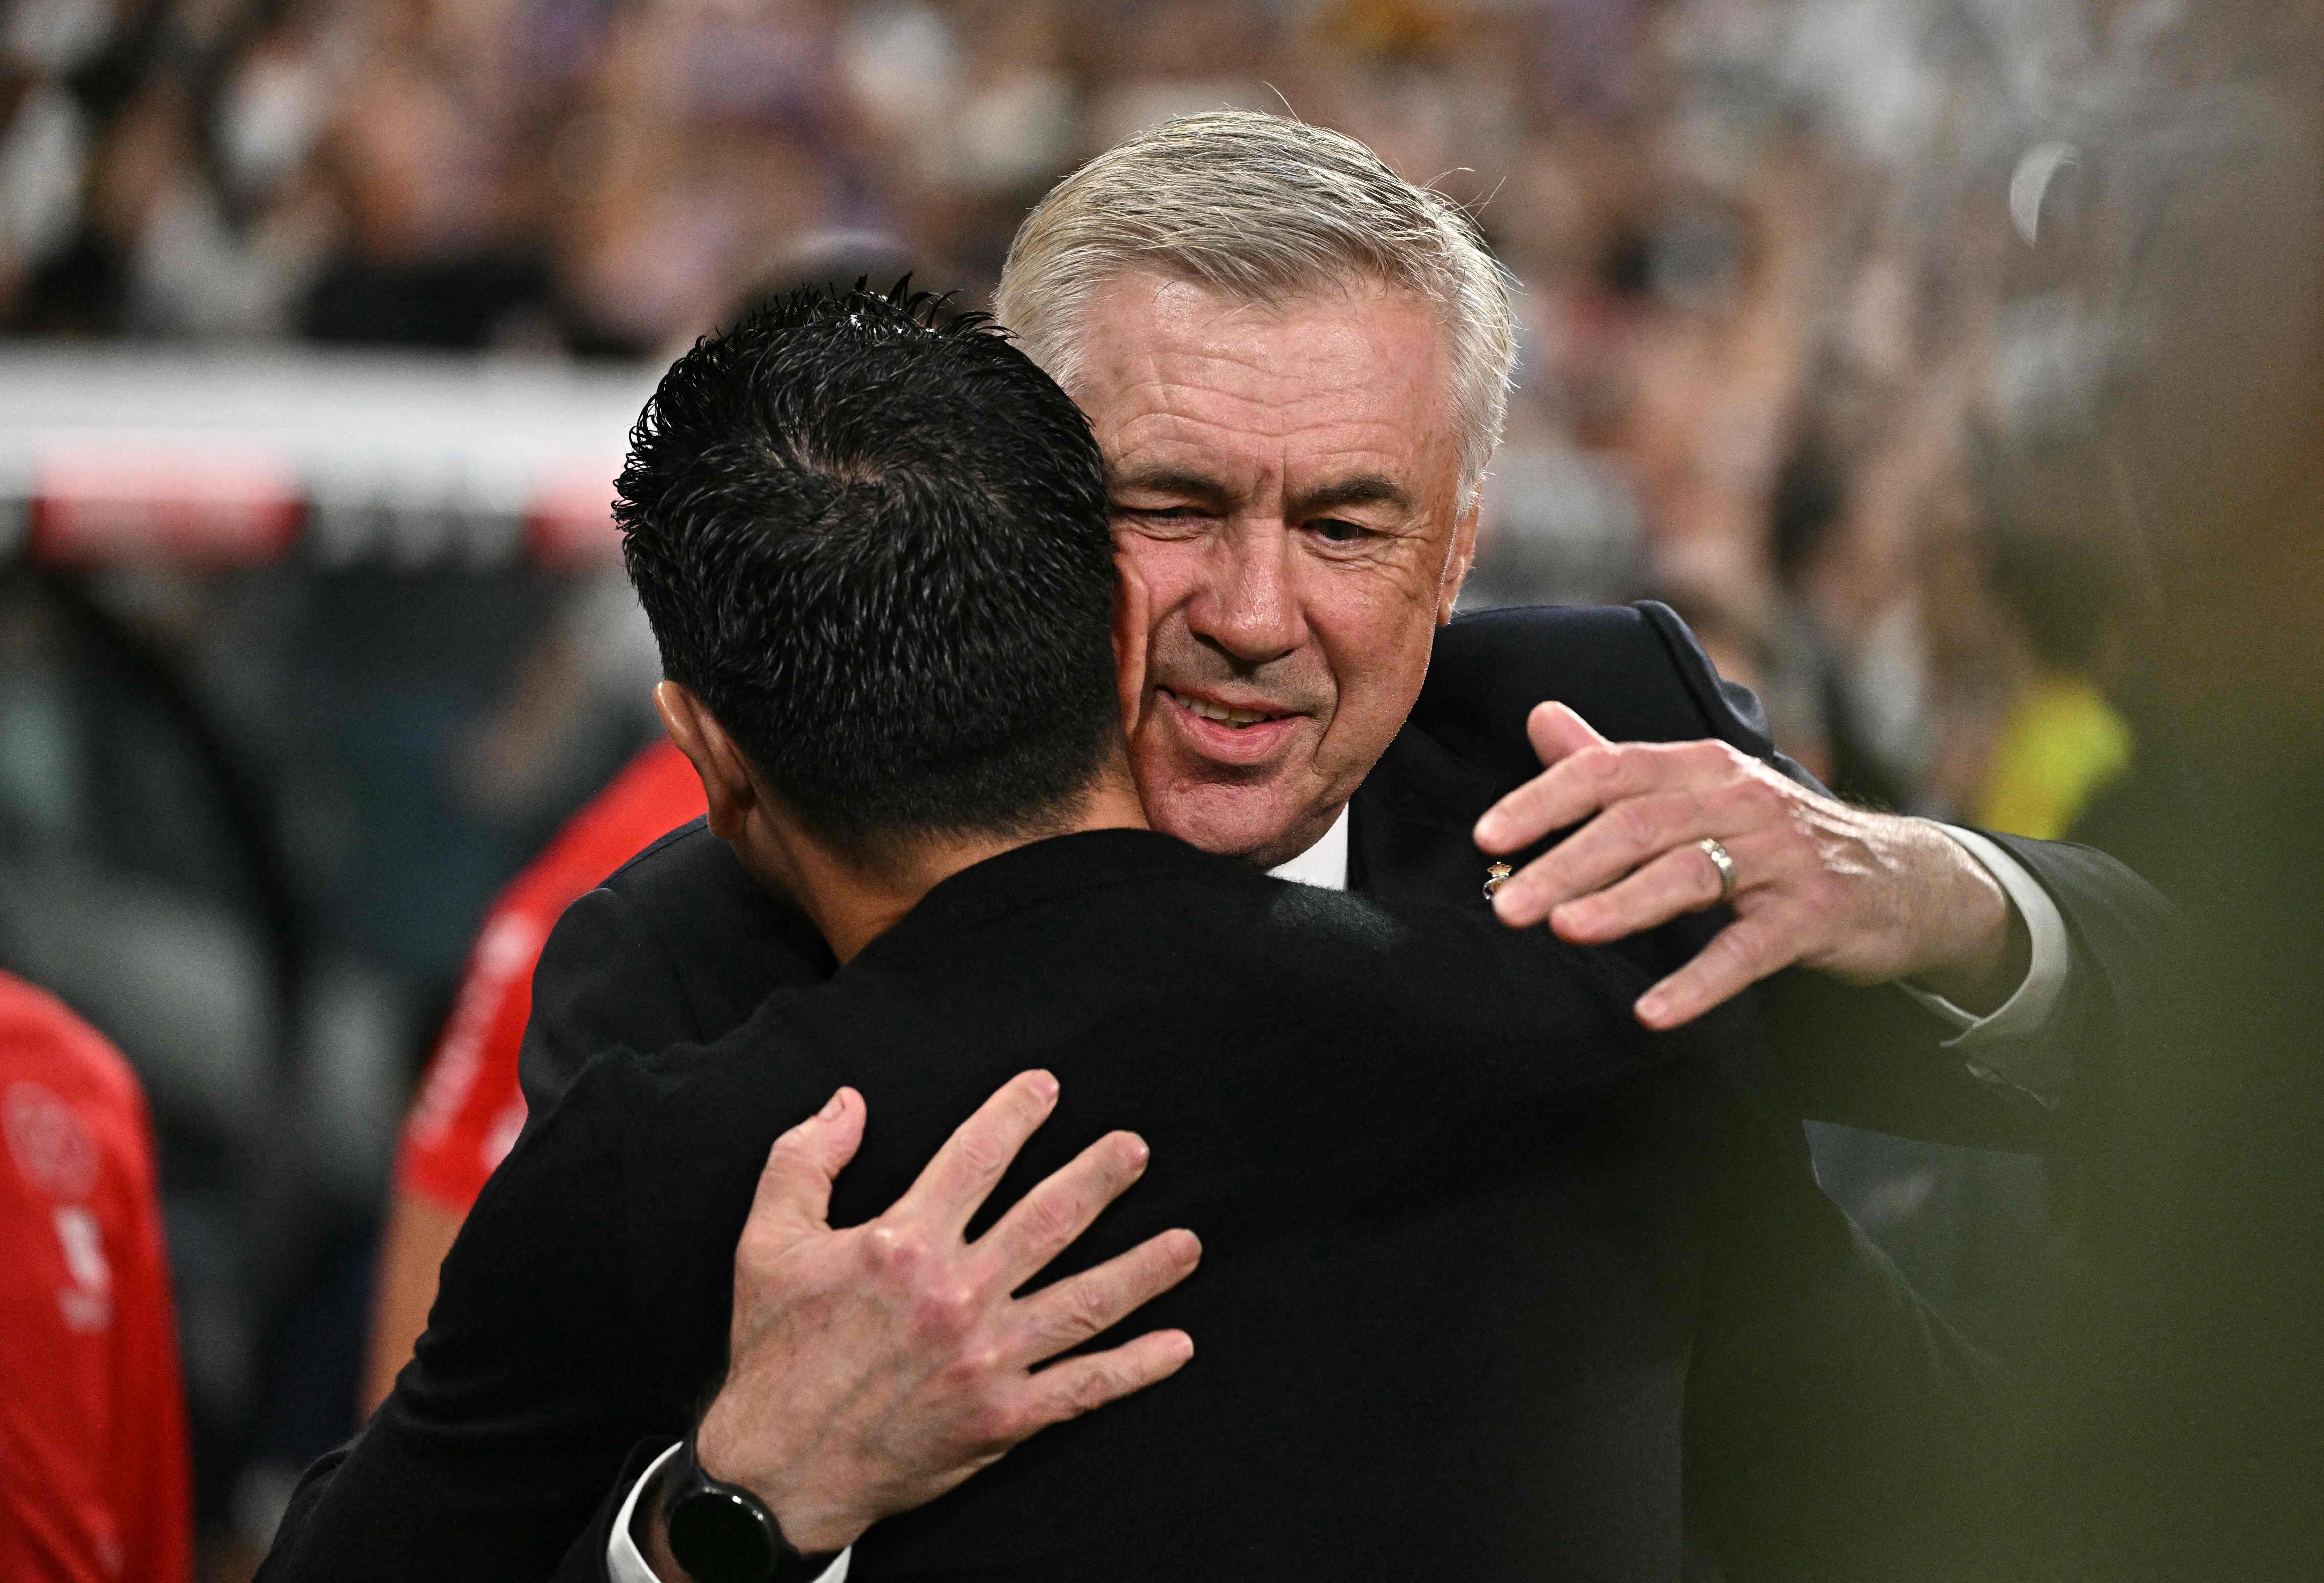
(1903,345)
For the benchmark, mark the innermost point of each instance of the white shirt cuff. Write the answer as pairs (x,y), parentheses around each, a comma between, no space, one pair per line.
(2000,1037)
(625,1563)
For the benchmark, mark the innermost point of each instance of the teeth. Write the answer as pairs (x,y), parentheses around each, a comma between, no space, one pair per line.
(1211,711)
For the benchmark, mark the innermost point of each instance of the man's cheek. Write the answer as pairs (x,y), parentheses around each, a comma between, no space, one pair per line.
(1167,567)
(1378,663)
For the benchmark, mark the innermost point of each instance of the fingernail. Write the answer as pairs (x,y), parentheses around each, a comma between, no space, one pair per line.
(1488,830)
(832,1106)
(1138,1151)
(1653,1006)
(1045,1084)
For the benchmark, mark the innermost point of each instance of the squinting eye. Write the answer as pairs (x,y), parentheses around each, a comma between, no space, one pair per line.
(1337,532)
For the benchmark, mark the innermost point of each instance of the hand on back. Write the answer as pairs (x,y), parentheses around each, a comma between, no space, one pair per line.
(873,1368)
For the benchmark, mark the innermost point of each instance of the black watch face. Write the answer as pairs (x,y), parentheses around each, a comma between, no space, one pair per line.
(718,1538)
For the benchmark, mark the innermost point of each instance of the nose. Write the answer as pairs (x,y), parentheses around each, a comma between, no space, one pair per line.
(1248,604)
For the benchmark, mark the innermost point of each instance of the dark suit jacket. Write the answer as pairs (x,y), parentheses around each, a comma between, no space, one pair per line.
(1476,1249)
(682,945)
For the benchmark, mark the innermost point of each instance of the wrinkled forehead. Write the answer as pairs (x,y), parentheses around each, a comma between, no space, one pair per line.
(1352,372)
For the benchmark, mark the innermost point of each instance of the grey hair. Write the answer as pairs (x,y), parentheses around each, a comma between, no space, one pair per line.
(1262,209)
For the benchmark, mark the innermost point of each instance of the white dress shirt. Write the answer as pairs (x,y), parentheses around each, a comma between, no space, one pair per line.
(1997,1037)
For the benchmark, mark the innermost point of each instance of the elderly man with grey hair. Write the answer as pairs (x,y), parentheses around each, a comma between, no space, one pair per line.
(1295,366)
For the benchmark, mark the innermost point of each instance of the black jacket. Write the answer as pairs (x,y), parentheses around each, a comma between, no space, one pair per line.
(1477,1250)
(682,945)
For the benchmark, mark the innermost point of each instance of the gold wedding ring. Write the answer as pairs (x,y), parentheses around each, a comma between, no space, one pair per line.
(1724,864)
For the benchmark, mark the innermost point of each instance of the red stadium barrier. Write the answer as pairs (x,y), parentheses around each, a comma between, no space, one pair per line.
(569,525)
(225,458)
(98,504)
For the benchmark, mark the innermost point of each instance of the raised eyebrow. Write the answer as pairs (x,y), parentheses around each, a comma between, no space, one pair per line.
(1362,490)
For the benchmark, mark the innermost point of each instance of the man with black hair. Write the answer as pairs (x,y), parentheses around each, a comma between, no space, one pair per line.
(1477,1243)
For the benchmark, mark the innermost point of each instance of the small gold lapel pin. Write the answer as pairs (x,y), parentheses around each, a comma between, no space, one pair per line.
(1495,878)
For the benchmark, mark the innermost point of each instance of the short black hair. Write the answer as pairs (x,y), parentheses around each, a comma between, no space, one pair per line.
(871,536)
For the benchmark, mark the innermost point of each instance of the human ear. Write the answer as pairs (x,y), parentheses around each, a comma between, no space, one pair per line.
(725,774)
(1132,609)
(1459,556)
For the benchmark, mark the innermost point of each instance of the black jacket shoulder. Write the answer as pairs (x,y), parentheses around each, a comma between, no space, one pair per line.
(678,945)
(1634,671)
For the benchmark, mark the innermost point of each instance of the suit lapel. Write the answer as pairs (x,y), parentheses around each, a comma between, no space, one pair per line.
(1409,825)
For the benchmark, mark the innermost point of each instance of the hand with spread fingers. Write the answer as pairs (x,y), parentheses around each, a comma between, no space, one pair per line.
(1666,828)
(873,1369)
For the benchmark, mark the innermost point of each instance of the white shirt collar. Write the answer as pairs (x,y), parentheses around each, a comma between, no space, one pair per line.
(1323,865)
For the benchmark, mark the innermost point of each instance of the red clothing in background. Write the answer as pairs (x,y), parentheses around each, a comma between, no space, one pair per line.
(93,1476)
(470,1110)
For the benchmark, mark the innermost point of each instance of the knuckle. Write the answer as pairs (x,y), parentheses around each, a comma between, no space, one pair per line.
(981,1151)
(1051,1222)
(1760,801)
(1634,824)
(944,1310)
(983,1361)
(1705,756)
(898,1254)
(1092,1306)
(1093,1387)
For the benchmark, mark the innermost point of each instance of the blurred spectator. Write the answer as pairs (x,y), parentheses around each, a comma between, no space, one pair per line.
(93,1478)
(2061,743)
(470,1109)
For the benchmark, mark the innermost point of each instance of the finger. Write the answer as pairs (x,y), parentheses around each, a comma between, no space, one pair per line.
(794,1192)
(1083,1384)
(953,1185)
(1556,731)
(1681,880)
(1063,1316)
(1597,777)
(1557,734)
(1630,834)
(1130,636)
(1738,956)
(1041,1225)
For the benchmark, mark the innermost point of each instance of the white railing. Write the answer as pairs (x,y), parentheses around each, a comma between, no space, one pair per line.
(109,454)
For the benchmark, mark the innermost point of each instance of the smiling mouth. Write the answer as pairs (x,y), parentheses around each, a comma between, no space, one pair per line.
(1220,713)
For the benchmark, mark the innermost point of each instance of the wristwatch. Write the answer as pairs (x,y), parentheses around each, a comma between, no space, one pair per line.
(721,1533)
